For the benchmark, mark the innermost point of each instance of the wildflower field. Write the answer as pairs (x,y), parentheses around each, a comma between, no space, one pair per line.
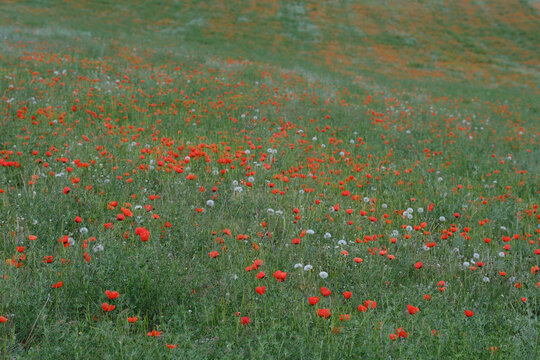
(269,179)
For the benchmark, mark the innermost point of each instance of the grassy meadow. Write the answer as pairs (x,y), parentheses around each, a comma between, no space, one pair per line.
(269,179)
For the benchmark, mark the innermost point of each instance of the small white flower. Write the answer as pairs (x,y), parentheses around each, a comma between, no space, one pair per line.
(409,216)
(323,274)
(485,279)
(408,228)
(501,254)
(270,211)
(235,277)
(409,210)
(310,232)
(251,179)
(420,210)
(426,248)
(342,242)
(308,267)
(296,266)
(83,230)
(97,248)
(442,219)
(395,233)
(366,199)
(327,235)
(71,241)
(238,189)
(235,182)
(466,264)
(210,203)
(476,256)
(439,179)
(384,206)
(279,212)
(137,207)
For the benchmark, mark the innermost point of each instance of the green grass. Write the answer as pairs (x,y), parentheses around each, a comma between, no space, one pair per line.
(121,101)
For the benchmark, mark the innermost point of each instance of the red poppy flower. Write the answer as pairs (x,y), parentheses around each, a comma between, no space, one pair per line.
(325,291)
(412,309)
(313,300)
(347,294)
(171,346)
(154,333)
(280,275)
(112,294)
(58,285)
(245,320)
(213,254)
(3,319)
(469,313)
(370,304)
(132,319)
(325,313)
(143,233)
(107,307)
(260,290)
(418,265)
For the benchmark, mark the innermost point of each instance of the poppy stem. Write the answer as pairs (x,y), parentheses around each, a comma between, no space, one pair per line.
(27,341)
